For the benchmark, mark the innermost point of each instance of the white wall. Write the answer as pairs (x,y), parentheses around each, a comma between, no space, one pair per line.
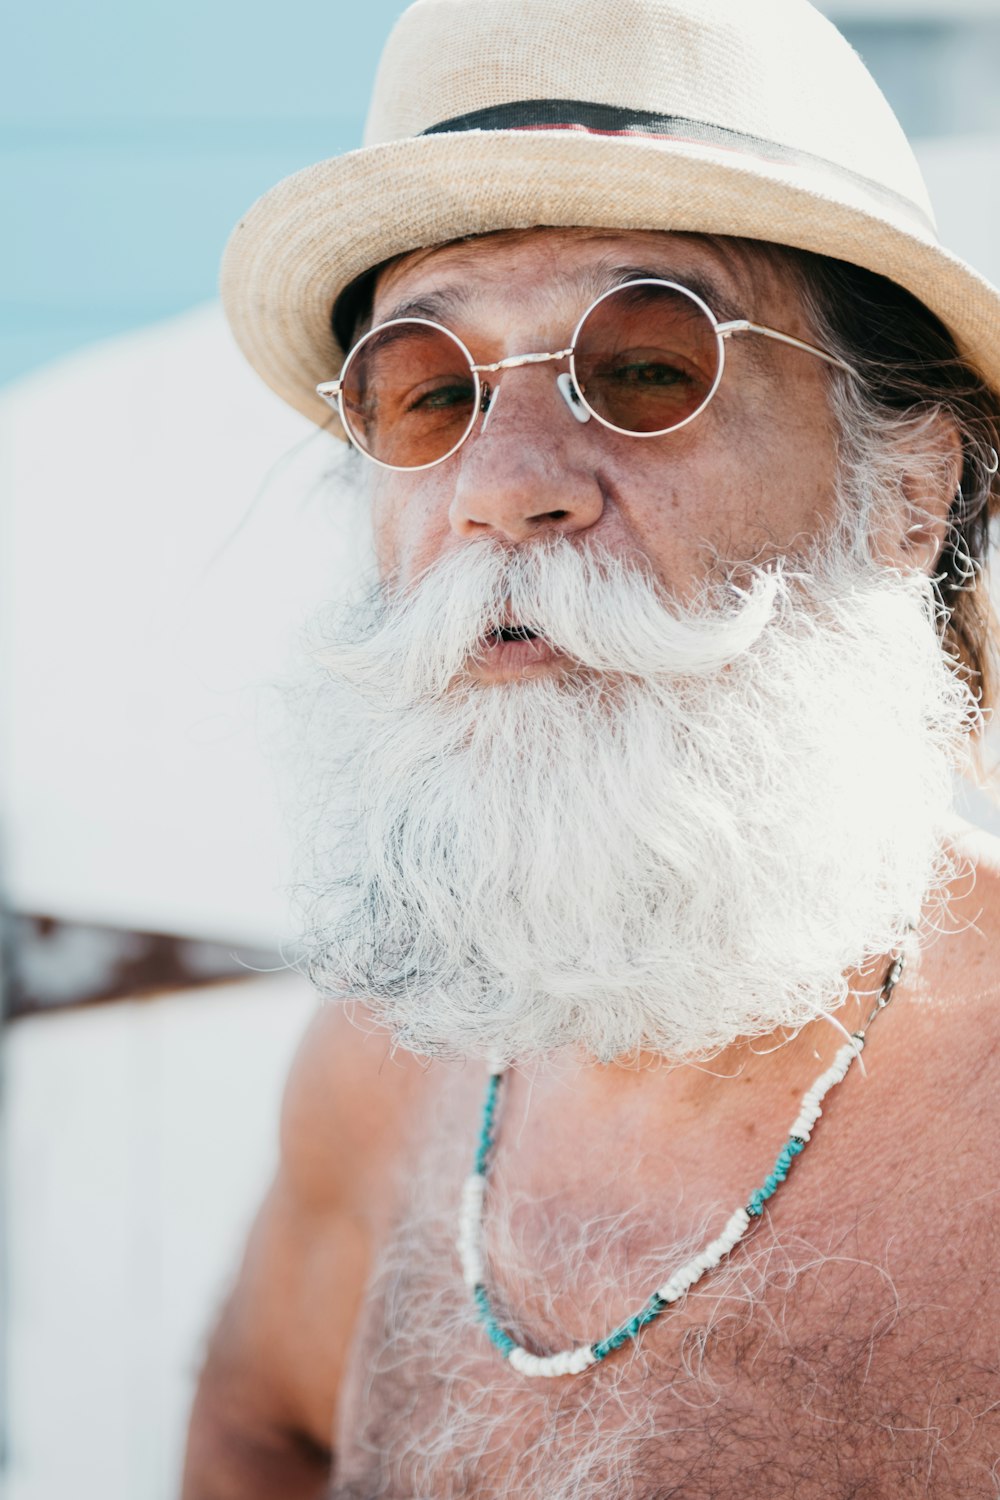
(139,1138)
(166,525)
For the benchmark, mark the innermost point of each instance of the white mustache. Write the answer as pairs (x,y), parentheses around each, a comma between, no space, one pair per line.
(604,612)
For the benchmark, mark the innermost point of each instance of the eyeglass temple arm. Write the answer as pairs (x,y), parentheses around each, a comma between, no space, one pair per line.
(743,325)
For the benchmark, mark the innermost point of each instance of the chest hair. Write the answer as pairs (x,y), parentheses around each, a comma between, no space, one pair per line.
(798,1369)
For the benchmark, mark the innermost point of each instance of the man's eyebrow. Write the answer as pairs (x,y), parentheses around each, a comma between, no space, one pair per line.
(434,305)
(440,304)
(710,291)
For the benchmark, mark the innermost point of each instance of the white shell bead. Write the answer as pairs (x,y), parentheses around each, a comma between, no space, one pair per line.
(472,1266)
(473,1193)
(738,1225)
(569,1362)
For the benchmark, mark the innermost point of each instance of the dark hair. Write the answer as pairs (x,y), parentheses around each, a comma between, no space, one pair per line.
(353,308)
(910,368)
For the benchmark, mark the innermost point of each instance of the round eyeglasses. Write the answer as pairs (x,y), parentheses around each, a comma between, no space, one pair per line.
(645,359)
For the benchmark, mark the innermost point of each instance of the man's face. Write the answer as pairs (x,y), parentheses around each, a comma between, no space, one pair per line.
(714,781)
(752,476)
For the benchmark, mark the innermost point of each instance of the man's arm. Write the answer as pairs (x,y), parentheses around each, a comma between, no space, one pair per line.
(253,1427)
(263,1417)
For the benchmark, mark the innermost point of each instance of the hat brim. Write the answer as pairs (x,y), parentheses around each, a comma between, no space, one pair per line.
(312,234)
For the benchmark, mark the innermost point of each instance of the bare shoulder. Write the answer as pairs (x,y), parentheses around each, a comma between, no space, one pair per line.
(981,852)
(349,1104)
(963,964)
(927,1118)
(952,997)
(277,1357)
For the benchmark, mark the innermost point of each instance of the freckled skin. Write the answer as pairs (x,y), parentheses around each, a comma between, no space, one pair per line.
(899,1182)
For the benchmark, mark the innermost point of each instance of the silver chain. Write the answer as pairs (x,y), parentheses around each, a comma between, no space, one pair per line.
(889,984)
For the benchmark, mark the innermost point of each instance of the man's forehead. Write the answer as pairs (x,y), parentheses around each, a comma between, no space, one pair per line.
(727,273)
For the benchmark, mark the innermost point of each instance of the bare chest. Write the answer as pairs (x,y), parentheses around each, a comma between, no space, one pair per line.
(812,1366)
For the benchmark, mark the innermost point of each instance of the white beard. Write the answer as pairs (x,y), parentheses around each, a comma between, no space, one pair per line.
(690,838)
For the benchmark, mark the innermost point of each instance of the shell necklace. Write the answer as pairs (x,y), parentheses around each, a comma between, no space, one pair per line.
(575,1361)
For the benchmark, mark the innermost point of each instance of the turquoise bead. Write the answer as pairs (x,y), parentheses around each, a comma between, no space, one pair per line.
(497,1337)
(486,1130)
(773,1180)
(629,1330)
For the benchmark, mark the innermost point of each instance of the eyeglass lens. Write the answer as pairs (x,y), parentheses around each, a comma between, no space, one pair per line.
(646,359)
(409,394)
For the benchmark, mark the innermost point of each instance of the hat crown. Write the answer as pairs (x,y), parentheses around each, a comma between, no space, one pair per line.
(772,70)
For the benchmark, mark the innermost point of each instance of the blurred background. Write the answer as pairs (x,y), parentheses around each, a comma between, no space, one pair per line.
(165,528)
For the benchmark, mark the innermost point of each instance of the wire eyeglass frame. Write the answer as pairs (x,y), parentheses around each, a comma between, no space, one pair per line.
(484,397)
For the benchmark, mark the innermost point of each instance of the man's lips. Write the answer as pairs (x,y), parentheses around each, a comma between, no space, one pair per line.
(512,651)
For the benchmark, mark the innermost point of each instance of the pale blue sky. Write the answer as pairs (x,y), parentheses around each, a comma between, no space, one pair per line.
(132,136)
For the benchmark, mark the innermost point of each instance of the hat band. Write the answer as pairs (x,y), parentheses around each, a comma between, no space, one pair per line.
(609,119)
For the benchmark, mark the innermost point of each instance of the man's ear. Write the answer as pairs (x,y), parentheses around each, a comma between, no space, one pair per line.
(927,456)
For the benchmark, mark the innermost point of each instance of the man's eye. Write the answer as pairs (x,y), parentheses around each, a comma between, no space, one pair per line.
(441,397)
(648,373)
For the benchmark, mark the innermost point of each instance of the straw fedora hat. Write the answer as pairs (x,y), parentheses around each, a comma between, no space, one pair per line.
(738,117)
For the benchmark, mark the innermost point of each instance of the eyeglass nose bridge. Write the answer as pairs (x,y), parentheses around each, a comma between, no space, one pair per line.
(567,389)
(515,360)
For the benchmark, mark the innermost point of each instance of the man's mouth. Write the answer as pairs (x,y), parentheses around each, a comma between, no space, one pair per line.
(512,651)
(513,633)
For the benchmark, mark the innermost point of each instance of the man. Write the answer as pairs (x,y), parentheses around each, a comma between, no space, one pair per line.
(680,437)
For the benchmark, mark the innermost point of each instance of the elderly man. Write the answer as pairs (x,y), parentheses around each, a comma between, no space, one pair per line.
(680,436)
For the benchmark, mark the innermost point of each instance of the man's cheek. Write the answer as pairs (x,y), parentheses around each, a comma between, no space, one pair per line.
(411,532)
(385,530)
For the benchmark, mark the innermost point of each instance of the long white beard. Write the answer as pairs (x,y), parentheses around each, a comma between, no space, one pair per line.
(689,838)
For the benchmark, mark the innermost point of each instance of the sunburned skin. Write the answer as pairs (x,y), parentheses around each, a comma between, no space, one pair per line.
(739,1383)
(850,1348)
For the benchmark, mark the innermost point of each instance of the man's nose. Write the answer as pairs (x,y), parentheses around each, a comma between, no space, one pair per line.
(528,467)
